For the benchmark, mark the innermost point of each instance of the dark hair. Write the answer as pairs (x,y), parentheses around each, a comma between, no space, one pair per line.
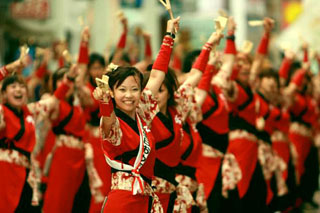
(270,73)
(117,77)
(96,57)
(293,68)
(57,75)
(125,57)
(189,59)
(171,83)
(11,80)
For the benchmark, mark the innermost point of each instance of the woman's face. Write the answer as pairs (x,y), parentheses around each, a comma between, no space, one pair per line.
(269,86)
(15,95)
(127,95)
(162,97)
(244,66)
(96,70)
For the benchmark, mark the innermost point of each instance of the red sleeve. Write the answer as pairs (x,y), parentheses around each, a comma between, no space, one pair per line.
(240,97)
(284,68)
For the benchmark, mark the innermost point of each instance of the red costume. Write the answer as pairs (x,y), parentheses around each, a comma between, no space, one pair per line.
(92,136)
(68,161)
(17,140)
(132,168)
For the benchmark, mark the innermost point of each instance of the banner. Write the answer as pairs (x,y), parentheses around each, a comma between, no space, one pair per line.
(30,9)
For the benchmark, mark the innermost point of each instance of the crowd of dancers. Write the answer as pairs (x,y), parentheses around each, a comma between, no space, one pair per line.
(201,131)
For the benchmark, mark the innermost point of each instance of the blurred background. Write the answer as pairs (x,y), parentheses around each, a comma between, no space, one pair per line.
(46,23)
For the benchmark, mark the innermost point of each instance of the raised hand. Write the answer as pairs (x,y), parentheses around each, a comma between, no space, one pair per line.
(99,95)
(268,24)
(173,25)
(289,54)
(123,19)
(85,35)
(215,38)
(24,58)
(231,26)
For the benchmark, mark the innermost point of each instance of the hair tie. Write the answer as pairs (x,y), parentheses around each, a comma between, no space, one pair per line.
(112,67)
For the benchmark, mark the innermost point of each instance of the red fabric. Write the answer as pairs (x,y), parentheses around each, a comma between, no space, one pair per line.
(207,173)
(235,72)
(298,77)
(48,145)
(106,108)
(193,159)
(162,61)
(202,60)
(270,114)
(169,154)
(3,72)
(164,200)
(88,110)
(83,57)
(122,41)
(305,55)
(148,50)
(65,177)
(12,179)
(61,62)
(303,145)
(247,113)
(264,43)
(219,120)
(284,68)
(103,169)
(300,103)
(230,47)
(41,71)
(120,201)
(76,125)
(130,141)
(205,81)
(269,192)
(284,122)
(246,153)
(12,121)
(283,151)
(61,91)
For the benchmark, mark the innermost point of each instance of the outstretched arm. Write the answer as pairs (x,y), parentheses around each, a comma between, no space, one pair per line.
(160,66)
(23,61)
(200,64)
(204,84)
(261,51)
(122,41)
(142,65)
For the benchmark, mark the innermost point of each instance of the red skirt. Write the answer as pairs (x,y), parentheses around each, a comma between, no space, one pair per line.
(164,200)
(283,151)
(302,145)
(122,201)
(207,173)
(12,180)
(246,153)
(103,169)
(65,177)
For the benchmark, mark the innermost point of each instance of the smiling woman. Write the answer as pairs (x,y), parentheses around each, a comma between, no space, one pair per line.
(127,112)
(18,137)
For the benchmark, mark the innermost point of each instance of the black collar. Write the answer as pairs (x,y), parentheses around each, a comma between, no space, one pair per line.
(166,120)
(14,110)
(126,118)
(263,97)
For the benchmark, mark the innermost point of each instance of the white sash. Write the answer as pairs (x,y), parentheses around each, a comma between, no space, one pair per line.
(144,151)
